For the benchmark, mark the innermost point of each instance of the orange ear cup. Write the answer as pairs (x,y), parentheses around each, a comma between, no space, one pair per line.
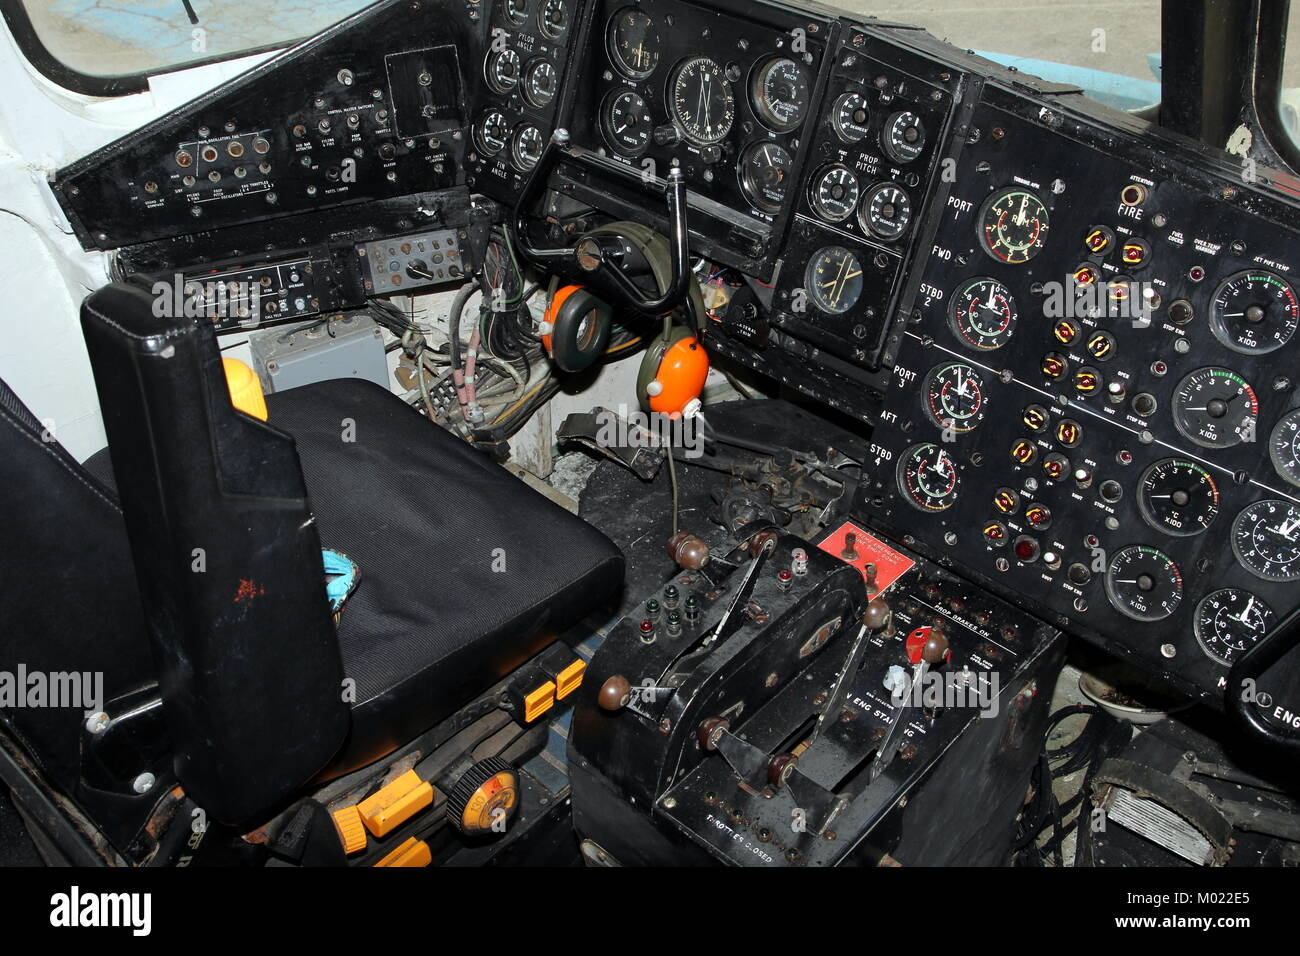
(681,377)
(553,312)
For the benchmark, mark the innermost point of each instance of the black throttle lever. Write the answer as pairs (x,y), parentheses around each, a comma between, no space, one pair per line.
(594,255)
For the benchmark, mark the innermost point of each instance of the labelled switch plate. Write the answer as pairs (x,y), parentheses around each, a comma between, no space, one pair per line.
(411,262)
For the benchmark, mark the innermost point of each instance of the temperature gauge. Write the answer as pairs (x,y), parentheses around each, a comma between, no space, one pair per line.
(927,477)
(1216,408)
(954,397)
(1013,225)
(835,193)
(1229,621)
(1178,497)
(982,313)
(1254,312)
(1144,584)
(1266,540)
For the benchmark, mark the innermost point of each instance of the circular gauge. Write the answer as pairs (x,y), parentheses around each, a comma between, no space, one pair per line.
(1144,584)
(634,42)
(701,100)
(834,280)
(982,313)
(1178,497)
(626,119)
(1254,312)
(1266,540)
(850,116)
(1013,225)
(541,82)
(835,193)
(553,19)
(502,70)
(1284,447)
(517,10)
(1229,621)
(764,169)
(526,147)
(886,212)
(927,477)
(779,92)
(1216,408)
(492,133)
(903,137)
(954,396)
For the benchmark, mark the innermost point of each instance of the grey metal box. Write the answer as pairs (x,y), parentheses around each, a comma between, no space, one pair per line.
(348,346)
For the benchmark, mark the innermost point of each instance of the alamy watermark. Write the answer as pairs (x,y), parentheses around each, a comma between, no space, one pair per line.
(624,428)
(24,689)
(216,299)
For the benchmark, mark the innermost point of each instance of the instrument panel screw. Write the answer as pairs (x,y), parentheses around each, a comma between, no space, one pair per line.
(97,723)
(143,783)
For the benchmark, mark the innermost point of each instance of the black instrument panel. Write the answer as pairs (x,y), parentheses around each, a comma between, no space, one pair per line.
(1092,409)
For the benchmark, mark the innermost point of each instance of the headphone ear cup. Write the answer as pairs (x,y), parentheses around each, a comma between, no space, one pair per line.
(580,329)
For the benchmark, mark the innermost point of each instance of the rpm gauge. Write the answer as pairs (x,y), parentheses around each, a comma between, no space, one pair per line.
(626,121)
(834,280)
(886,212)
(702,101)
(954,397)
(982,313)
(553,19)
(1254,312)
(1266,540)
(1229,621)
(634,42)
(1216,408)
(1144,584)
(1013,225)
(1284,447)
(779,92)
(927,477)
(1178,497)
(764,170)
(835,193)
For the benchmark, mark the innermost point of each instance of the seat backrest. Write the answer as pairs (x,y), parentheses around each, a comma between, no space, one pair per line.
(228,559)
(68,598)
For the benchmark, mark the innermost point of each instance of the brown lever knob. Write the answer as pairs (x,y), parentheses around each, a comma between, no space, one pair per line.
(877,614)
(936,648)
(688,550)
(615,693)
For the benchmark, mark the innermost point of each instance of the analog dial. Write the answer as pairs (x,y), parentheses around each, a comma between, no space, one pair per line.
(1229,621)
(1216,408)
(1266,540)
(492,133)
(627,123)
(1178,497)
(1144,584)
(927,477)
(553,19)
(886,212)
(502,70)
(779,93)
(1284,447)
(834,280)
(764,172)
(517,10)
(526,147)
(1013,225)
(850,116)
(903,137)
(954,397)
(541,82)
(634,42)
(1254,312)
(835,193)
(702,101)
(982,313)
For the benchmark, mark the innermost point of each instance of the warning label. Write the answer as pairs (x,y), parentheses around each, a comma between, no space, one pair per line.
(865,550)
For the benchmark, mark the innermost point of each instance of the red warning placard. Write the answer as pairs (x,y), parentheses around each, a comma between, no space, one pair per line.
(890,564)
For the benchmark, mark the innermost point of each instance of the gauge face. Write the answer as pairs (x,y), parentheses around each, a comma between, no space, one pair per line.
(634,42)
(526,147)
(1284,447)
(517,10)
(626,119)
(764,171)
(886,212)
(834,280)
(1254,312)
(1013,225)
(779,92)
(954,397)
(1216,408)
(850,117)
(1229,621)
(1178,497)
(1266,540)
(541,81)
(502,70)
(702,101)
(1144,584)
(492,133)
(903,137)
(927,477)
(553,19)
(835,193)
(982,313)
